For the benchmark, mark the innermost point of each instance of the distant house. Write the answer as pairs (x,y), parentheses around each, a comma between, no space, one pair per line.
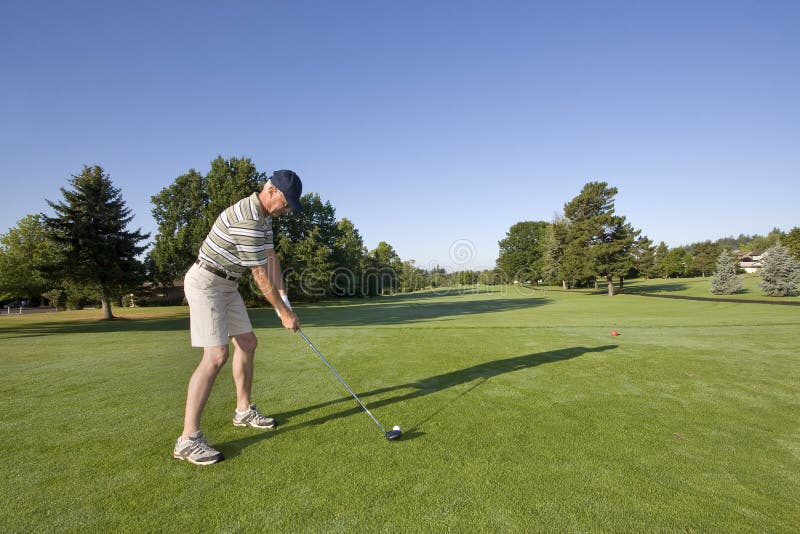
(749,262)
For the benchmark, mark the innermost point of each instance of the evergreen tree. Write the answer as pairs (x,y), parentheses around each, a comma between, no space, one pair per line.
(553,250)
(689,266)
(583,214)
(658,260)
(599,242)
(644,257)
(725,281)
(613,250)
(90,227)
(780,272)
(705,256)
(348,251)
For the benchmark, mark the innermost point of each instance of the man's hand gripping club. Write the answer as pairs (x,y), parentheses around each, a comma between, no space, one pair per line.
(281,304)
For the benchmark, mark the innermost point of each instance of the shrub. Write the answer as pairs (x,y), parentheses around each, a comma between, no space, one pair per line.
(780,273)
(725,281)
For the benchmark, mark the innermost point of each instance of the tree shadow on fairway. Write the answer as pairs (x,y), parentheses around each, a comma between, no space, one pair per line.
(412,390)
(665,287)
(95,326)
(393,312)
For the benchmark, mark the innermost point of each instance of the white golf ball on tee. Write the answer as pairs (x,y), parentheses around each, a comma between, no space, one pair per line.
(396,427)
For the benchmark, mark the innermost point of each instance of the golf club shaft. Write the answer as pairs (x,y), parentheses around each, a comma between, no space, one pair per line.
(339,377)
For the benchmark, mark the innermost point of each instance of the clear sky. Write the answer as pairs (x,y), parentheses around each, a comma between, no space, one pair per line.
(432,125)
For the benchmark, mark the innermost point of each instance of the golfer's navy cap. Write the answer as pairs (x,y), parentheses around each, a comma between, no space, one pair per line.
(290,185)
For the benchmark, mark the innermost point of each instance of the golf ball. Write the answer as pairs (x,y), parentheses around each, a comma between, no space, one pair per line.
(396,427)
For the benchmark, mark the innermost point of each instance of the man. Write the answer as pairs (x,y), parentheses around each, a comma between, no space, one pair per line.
(241,238)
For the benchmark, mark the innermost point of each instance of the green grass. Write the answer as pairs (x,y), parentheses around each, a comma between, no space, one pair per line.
(701,287)
(520,413)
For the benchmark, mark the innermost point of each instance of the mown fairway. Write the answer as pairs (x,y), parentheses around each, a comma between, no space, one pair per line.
(520,413)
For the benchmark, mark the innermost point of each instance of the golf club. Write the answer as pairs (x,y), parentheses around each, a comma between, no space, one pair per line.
(392,434)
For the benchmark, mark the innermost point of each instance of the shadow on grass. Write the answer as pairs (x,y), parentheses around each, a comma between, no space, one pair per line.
(382,311)
(630,287)
(665,287)
(480,373)
(94,326)
(396,311)
(721,299)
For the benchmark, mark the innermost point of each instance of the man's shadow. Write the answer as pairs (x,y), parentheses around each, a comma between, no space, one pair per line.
(480,373)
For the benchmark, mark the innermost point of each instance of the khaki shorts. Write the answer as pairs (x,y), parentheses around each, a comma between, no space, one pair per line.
(216,309)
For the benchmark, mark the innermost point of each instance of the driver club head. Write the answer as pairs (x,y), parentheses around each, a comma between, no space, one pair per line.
(394,433)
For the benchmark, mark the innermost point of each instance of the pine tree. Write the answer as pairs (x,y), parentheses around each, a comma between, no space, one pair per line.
(644,256)
(660,255)
(348,250)
(599,242)
(552,252)
(705,255)
(100,255)
(780,273)
(725,281)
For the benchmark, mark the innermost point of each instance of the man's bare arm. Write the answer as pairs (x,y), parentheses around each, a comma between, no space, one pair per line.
(269,288)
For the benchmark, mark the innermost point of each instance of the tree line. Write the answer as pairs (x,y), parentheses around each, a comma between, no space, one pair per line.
(321,256)
(589,243)
(84,253)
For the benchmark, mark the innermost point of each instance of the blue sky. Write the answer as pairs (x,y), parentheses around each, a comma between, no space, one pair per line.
(433,126)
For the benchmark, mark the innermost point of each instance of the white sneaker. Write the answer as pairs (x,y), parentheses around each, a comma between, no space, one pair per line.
(254,418)
(196,450)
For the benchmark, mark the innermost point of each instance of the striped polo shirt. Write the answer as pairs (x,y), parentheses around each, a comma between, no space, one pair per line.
(240,237)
